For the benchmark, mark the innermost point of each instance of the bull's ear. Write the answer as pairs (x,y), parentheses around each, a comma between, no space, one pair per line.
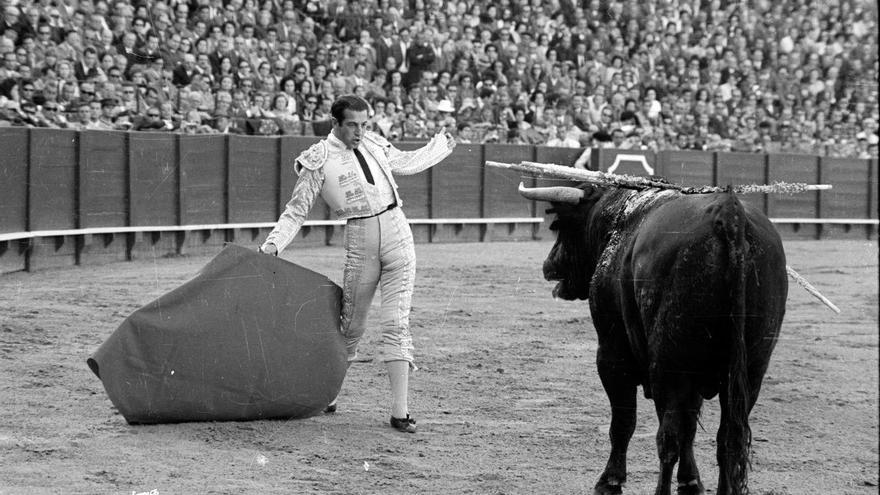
(592,193)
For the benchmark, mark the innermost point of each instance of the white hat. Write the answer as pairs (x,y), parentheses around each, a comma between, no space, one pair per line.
(445,106)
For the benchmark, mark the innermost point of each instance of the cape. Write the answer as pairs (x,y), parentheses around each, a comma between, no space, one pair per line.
(251,336)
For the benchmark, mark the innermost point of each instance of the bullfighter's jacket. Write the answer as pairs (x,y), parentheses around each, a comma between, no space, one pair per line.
(330,169)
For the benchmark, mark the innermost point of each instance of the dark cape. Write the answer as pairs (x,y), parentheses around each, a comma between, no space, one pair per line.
(250,337)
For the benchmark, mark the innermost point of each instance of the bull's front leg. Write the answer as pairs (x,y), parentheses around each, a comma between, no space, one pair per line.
(620,384)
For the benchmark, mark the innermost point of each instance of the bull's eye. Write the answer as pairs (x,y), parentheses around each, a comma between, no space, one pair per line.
(550,210)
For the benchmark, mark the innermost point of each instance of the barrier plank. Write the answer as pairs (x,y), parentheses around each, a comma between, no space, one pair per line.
(103,179)
(558,156)
(253,178)
(456,185)
(787,167)
(153,179)
(53,179)
(743,168)
(500,195)
(849,197)
(13,180)
(549,154)
(872,189)
(688,168)
(203,179)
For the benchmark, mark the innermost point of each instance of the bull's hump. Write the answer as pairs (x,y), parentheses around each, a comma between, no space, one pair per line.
(639,201)
(627,212)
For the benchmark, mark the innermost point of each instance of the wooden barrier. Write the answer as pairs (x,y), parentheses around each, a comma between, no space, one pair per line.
(844,203)
(253,178)
(416,194)
(688,168)
(52,195)
(14,161)
(872,189)
(71,197)
(794,168)
(743,168)
(456,192)
(154,179)
(500,198)
(154,192)
(103,194)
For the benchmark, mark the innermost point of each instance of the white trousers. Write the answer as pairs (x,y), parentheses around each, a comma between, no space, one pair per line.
(379,252)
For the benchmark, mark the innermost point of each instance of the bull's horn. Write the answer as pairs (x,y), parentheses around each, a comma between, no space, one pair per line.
(558,194)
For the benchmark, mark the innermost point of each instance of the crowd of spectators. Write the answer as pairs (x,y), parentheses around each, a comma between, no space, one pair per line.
(757,75)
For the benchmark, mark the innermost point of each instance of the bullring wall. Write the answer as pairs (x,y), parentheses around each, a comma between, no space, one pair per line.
(125,191)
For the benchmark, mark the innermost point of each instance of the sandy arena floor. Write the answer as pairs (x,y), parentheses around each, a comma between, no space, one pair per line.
(507,397)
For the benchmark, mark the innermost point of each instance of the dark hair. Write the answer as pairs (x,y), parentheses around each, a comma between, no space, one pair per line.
(348,102)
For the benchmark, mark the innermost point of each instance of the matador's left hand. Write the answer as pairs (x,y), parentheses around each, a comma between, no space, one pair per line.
(450,140)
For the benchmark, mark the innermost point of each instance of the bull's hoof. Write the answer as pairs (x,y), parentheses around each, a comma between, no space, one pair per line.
(608,487)
(693,487)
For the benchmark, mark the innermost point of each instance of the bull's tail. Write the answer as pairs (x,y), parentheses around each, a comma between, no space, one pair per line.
(730,221)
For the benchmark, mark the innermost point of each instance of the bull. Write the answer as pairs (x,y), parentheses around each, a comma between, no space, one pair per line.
(687,293)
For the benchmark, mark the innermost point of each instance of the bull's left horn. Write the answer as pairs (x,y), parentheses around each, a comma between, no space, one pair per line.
(558,194)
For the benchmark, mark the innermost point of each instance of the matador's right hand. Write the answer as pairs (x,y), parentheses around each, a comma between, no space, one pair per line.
(269,249)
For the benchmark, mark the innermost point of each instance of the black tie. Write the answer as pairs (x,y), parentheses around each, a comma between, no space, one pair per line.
(364,166)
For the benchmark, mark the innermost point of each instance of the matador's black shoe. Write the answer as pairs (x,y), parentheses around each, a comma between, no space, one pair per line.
(331,407)
(406,425)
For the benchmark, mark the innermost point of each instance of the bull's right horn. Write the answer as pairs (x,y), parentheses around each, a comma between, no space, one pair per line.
(558,194)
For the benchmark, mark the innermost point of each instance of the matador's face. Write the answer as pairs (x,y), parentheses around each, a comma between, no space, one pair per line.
(352,128)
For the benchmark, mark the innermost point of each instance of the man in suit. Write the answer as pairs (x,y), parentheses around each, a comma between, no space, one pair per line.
(287,28)
(150,49)
(358,78)
(12,22)
(224,49)
(184,72)
(359,55)
(419,57)
(387,46)
(87,67)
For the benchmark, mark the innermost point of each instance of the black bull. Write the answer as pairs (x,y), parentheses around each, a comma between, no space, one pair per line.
(687,293)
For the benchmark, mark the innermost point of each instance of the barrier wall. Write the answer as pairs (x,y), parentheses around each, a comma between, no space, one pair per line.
(14,162)
(141,194)
(688,168)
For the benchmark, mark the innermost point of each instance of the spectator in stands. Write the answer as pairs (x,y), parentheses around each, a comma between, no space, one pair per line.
(287,120)
(106,117)
(54,116)
(12,22)
(682,61)
(419,57)
(561,138)
(183,73)
(83,116)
